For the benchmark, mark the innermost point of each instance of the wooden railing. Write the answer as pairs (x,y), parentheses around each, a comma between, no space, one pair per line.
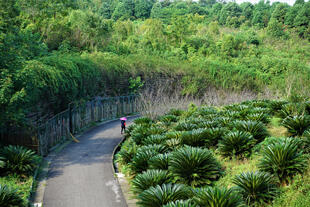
(78,117)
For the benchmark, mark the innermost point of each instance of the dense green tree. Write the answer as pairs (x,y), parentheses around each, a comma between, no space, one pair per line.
(261,14)
(302,21)
(247,10)
(143,8)
(291,14)
(280,12)
(229,10)
(156,10)
(124,10)
(275,28)
(299,2)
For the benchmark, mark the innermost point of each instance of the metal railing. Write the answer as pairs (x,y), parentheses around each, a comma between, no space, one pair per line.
(76,118)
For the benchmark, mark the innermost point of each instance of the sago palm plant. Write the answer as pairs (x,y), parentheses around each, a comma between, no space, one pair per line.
(213,135)
(160,161)
(150,178)
(185,126)
(257,129)
(260,117)
(143,120)
(283,159)
(236,144)
(10,197)
(296,125)
(194,166)
(256,187)
(193,138)
(217,197)
(140,160)
(181,203)
(162,194)
(19,159)
(154,139)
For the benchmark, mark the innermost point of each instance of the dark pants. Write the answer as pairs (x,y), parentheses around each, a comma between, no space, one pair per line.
(123,128)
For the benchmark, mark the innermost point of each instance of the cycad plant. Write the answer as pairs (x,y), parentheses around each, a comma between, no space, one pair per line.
(296,125)
(19,159)
(217,197)
(193,138)
(260,117)
(150,178)
(194,166)
(236,144)
(163,194)
(283,159)
(213,135)
(140,160)
(10,197)
(257,129)
(185,126)
(181,203)
(256,187)
(143,120)
(154,139)
(159,161)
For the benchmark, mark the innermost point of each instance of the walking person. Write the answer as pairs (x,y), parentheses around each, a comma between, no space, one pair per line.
(123,124)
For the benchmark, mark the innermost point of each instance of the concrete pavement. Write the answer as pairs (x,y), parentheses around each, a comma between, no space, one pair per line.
(82,175)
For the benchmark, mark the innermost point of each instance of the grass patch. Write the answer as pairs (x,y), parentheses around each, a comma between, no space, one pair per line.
(22,184)
(234,167)
(295,195)
(275,129)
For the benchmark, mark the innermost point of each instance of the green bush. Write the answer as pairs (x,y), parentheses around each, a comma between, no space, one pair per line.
(9,197)
(194,166)
(194,138)
(257,129)
(236,144)
(181,203)
(259,117)
(150,178)
(140,160)
(217,197)
(19,159)
(213,135)
(256,187)
(185,126)
(296,125)
(154,139)
(283,159)
(162,194)
(143,120)
(159,161)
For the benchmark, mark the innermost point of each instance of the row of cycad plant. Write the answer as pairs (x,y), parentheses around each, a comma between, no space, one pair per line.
(18,161)
(172,162)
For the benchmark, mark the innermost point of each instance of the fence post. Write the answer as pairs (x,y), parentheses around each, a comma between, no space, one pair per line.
(70,118)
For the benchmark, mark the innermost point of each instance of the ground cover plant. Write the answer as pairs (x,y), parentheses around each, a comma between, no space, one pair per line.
(245,154)
(16,175)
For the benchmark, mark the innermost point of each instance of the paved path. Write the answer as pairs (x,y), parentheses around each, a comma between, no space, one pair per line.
(82,175)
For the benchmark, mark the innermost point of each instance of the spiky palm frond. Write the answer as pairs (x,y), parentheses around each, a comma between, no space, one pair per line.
(283,159)
(213,135)
(257,129)
(296,125)
(10,197)
(260,117)
(256,187)
(19,159)
(194,138)
(140,160)
(173,143)
(217,197)
(194,166)
(175,112)
(150,178)
(168,119)
(160,161)
(154,139)
(185,126)
(181,203)
(162,194)
(143,120)
(236,144)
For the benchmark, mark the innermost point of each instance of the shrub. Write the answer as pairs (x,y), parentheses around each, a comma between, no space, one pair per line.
(292,109)
(217,197)
(173,143)
(163,194)
(213,135)
(143,120)
(185,126)
(9,197)
(181,203)
(159,161)
(276,106)
(140,160)
(175,112)
(257,129)
(169,118)
(259,117)
(236,144)
(125,156)
(296,125)
(149,178)
(283,159)
(193,138)
(154,139)
(194,166)
(255,187)
(306,141)
(19,159)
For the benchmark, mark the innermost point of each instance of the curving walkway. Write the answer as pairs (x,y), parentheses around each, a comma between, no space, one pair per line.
(82,175)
